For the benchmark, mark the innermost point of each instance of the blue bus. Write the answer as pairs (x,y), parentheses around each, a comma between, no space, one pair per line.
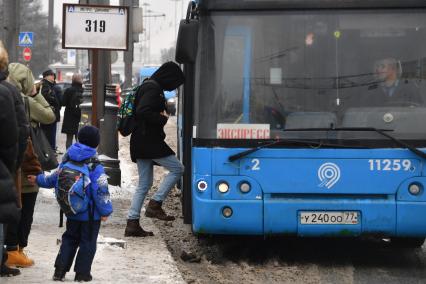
(304,118)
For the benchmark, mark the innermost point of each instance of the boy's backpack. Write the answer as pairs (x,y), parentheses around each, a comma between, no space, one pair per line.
(126,122)
(73,182)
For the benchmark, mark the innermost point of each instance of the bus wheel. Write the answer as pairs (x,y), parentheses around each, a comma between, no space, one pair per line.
(407,242)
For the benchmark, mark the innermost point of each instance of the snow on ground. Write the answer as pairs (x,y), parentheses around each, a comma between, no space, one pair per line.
(139,260)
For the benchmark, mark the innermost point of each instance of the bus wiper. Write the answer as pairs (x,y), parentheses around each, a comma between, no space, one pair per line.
(380,131)
(242,154)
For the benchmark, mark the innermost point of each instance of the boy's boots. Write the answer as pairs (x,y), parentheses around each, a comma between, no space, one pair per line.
(59,274)
(82,277)
(18,258)
(134,229)
(154,210)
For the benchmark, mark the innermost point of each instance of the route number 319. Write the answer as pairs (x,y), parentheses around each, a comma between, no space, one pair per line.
(95,26)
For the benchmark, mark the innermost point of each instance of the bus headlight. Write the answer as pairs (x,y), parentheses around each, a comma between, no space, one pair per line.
(414,189)
(202,185)
(245,187)
(223,187)
(227,212)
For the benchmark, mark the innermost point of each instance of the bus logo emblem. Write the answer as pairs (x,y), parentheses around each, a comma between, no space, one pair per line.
(328,174)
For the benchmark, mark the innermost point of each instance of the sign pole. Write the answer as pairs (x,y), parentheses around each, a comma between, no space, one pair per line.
(99,28)
(94,77)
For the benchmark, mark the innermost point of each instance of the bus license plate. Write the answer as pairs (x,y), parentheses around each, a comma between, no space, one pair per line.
(331,217)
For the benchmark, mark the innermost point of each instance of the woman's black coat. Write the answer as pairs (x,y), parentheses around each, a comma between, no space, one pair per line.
(147,140)
(9,131)
(72,98)
(9,212)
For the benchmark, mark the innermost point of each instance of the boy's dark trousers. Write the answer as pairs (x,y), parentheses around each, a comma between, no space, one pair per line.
(82,235)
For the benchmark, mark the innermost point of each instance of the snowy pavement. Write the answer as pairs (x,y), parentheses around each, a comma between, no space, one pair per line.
(142,260)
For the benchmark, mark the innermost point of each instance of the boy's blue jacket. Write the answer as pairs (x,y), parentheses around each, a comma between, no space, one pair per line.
(97,190)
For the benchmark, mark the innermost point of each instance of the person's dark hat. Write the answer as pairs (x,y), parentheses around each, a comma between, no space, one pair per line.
(48,72)
(89,136)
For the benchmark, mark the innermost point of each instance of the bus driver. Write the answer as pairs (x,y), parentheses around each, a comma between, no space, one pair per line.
(392,89)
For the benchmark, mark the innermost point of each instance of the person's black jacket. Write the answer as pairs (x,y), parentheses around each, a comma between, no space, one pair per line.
(8,130)
(48,92)
(71,99)
(147,140)
(21,117)
(9,212)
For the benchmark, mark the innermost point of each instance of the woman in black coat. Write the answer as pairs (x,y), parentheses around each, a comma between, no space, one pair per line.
(72,98)
(147,146)
(8,153)
(9,211)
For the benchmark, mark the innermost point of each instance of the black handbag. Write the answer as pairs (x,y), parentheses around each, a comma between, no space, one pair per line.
(43,150)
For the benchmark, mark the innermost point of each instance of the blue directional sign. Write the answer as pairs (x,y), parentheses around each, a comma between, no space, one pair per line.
(25,39)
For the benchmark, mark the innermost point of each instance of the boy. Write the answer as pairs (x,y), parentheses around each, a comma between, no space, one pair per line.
(82,228)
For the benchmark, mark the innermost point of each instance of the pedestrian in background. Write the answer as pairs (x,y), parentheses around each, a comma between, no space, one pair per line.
(39,112)
(72,98)
(147,147)
(48,92)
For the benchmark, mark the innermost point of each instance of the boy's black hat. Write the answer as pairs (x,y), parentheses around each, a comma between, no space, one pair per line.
(89,135)
(48,72)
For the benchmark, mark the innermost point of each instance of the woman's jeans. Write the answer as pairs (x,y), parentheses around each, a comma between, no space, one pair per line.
(145,171)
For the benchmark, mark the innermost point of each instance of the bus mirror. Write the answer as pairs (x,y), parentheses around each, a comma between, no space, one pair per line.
(187,41)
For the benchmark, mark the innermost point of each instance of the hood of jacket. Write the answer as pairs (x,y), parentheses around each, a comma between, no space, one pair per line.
(21,77)
(169,76)
(79,152)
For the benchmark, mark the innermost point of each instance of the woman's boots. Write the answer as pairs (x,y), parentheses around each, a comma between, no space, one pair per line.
(134,229)
(154,210)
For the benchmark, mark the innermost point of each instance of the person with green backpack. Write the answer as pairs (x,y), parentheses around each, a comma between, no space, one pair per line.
(147,146)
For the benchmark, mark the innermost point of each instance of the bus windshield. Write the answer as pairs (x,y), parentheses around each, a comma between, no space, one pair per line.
(296,70)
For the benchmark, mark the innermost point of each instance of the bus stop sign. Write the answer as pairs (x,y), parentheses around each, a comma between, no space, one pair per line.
(27,54)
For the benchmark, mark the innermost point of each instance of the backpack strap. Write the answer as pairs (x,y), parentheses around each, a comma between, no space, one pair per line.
(92,163)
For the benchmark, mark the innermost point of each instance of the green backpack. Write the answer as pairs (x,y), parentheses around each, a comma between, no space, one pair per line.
(126,121)
(126,113)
